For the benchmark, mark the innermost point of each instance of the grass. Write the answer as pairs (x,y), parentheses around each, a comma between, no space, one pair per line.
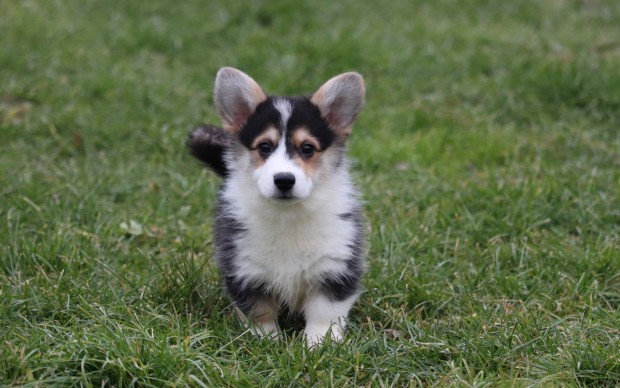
(488,153)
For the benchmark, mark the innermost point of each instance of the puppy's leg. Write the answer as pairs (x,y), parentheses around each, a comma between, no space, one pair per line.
(325,315)
(262,318)
(255,308)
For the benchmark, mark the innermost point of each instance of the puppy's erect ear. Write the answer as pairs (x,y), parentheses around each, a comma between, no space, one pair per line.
(340,100)
(236,97)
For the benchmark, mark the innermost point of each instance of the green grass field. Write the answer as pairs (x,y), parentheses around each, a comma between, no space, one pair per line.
(488,154)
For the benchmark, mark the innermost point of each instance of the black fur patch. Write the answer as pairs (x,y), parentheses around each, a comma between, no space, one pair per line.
(341,286)
(227,231)
(244,296)
(266,115)
(306,114)
(303,114)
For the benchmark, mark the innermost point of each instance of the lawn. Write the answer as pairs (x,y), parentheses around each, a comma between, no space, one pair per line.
(488,154)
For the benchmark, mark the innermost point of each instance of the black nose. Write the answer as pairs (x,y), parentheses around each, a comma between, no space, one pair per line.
(284,181)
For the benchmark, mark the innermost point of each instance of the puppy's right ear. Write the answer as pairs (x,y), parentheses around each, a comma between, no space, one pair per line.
(236,97)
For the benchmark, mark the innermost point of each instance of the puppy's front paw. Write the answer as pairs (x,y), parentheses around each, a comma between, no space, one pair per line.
(266,330)
(315,334)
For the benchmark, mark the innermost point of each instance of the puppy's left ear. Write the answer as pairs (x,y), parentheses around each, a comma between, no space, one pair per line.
(340,100)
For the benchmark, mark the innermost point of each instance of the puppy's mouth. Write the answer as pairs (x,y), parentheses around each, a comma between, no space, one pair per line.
(286,196)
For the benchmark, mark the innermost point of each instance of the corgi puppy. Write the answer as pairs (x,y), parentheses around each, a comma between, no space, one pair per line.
(289,230)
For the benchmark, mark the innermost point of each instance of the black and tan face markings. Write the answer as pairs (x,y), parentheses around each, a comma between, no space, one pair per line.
(306,133)
(308,150)
(264,145)
(306,115)
(264,118)
(304,148)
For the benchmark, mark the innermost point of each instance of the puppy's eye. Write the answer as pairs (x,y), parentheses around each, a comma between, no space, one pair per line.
(307,150)
(264,148)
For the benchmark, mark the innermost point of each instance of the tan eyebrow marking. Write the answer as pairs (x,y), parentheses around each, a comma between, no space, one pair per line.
(302,136)
(271,135)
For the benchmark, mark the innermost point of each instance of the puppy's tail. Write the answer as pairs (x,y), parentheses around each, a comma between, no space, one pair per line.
(207,143)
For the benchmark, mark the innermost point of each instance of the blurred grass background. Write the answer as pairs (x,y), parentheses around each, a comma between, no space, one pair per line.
(488,154)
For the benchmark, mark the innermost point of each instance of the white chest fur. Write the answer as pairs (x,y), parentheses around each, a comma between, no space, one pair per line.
(291,247)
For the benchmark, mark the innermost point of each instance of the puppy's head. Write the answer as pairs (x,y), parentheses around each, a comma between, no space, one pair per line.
(287,143)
